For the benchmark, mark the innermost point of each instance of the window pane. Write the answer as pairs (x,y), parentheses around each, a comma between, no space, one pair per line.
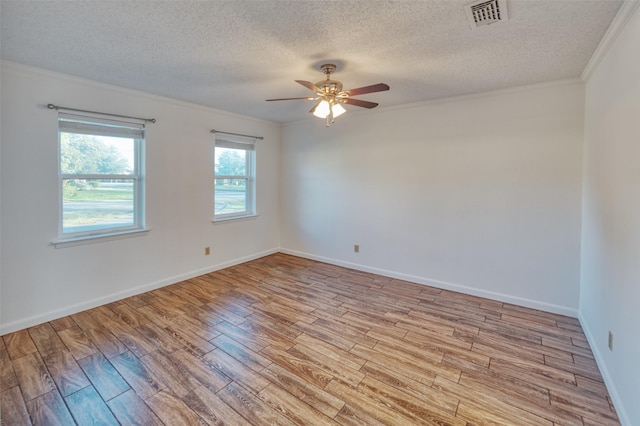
(90,154)
(230,162)
(94,204)
(230,196)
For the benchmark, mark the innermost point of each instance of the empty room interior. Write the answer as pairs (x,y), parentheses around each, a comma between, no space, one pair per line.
(320,212)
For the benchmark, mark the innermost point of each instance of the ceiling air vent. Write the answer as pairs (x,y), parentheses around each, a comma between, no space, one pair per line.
(486,12)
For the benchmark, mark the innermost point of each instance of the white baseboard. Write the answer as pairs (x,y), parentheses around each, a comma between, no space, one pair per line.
(520,301)
(79,307)
(608,381)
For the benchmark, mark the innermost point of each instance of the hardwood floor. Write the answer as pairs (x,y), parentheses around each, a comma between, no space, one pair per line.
(284,340)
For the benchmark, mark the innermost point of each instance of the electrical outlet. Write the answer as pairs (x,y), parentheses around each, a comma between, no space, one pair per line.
(207,251)
(610,340)
(356,248)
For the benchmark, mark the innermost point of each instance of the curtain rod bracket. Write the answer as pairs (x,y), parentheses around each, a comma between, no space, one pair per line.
(237,134)
(57,108)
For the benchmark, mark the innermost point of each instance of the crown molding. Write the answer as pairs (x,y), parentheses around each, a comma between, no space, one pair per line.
(617,25)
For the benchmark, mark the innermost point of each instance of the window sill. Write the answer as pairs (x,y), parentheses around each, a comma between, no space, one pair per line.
(92,239)
(234,218)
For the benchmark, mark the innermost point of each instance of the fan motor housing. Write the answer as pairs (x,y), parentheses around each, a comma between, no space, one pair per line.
(332,87)
(328,86)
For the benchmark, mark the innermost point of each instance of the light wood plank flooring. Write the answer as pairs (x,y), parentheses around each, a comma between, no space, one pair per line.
(284,340)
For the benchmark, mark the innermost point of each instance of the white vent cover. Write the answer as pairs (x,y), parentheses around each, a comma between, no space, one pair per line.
(486,12)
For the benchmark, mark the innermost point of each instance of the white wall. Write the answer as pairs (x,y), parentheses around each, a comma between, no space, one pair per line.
(610,288)
(480,194)
(40,282)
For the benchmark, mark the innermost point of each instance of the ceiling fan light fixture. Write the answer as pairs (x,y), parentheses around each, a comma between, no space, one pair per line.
(322,110)
(330,95)
(338,110)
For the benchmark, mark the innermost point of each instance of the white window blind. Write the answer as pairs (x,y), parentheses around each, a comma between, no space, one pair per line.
(91,125)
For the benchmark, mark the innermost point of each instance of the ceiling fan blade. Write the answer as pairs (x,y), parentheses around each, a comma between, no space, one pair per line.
(358,102)
(380,87)
(308,98)
(310,86)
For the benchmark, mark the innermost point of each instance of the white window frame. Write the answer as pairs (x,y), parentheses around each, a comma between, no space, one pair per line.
(99,125)
(246,144)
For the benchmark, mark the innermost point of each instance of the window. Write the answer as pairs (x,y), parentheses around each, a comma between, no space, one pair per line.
(234,177)
(101,176)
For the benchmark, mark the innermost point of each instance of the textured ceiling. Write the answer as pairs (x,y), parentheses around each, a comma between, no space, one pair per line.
(235,54)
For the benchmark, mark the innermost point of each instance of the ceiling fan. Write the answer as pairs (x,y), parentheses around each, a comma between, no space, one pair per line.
(330,95)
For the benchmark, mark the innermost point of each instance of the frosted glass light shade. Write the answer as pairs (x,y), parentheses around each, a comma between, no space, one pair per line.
(338,110)
(322,109)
